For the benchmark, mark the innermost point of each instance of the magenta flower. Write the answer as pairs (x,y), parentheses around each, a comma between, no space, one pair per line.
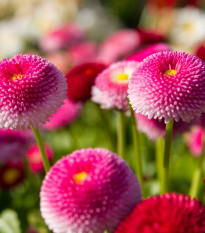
(62,37)
(154,128)
(83,52)
(118,44)
(168,213)
(143,53)
(34,158)
(90,190)
(170,86)
(110,89)
(31,89)
(65,115)
(13,145)
(195,140)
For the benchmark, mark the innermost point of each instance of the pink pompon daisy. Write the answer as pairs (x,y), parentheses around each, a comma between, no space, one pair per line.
(170,86)
(143,53)
(13,145)
(110,89)
(65,115)
(34,158)
(90,190)
(62,37)
(168,213)
(11,174)
(195,140)
(31,89)
(81,78)
(118,44)
(154,128)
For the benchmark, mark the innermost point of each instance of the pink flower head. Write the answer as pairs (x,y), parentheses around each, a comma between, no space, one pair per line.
(83,52)
(119,44)
(62,37)
(140,55)
(154,128)
(34,157)
(81,78)
(11,174)
(110,89)
(195,140)
(90,190)
(200,52)
(65,115)
(31,89)
(13,145)
(169,85)
(168,213)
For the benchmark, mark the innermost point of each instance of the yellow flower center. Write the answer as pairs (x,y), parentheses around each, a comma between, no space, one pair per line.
(122,77)
(188,26)
(80,177)
(16,76)
(11,175)
(170,72)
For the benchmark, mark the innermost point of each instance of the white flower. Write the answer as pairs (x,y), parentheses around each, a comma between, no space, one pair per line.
(188,27)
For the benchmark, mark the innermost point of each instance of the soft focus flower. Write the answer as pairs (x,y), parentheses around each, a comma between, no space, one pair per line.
(195,140)
(83,52)
(90,190)
(110,89)
(62,37)
(60,59)
(154,128)
(65,115)
(168,213)
(188,27)
(143,53)
(200,51)
(11,174)
(81,78)
(34,158)
(31,89)
(118,44)
(149,36)
(169,85)
(13,145)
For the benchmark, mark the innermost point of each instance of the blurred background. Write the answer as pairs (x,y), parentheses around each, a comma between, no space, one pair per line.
(72,32)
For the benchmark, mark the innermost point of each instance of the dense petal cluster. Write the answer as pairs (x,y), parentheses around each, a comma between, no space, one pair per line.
(88,191)
(13,145)
(170,86)
(81,78)
(168,213)
(110,89)
(34,158)
(65,115)
(31,89)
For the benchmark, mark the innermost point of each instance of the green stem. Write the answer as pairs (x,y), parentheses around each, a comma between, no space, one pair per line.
(121,134)
(106,124)
(197,178)
(137,151)
(167,155)
(159,159)
(41,148)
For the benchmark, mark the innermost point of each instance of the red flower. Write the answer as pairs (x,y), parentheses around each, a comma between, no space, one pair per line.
(80,80)
(169,213)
